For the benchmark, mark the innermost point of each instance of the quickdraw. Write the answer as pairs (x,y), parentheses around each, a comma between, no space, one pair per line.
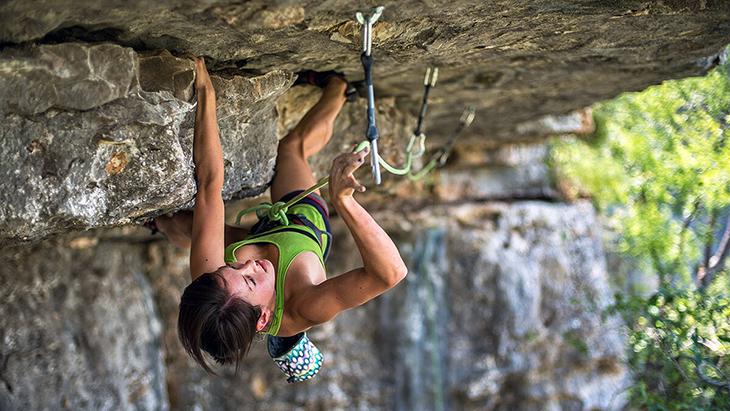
(366,17)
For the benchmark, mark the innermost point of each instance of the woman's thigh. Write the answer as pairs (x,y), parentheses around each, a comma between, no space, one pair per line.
(292,170)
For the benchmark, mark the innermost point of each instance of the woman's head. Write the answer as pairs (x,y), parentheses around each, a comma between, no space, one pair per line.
(216,320)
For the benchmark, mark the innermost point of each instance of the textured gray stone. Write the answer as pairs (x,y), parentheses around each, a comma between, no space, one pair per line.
(523,280)
(249,129)
(130,158)
(508,172)
(66,76)
(79,329)
(515,60)
(65,171)
(164,72)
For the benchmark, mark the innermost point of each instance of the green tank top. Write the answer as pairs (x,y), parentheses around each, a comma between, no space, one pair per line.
(291,241)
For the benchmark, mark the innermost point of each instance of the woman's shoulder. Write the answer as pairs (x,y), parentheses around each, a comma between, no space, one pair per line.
(302,279)
(304,272)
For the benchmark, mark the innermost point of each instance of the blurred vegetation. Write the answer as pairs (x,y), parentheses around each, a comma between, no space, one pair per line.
(659,164)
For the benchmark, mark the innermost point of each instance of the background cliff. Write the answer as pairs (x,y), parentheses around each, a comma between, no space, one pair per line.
(501,309)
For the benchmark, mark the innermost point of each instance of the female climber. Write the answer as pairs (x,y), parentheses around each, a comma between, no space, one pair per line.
(271,279)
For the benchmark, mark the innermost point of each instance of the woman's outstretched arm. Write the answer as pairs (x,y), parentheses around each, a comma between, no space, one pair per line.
(207,241)
(383,266)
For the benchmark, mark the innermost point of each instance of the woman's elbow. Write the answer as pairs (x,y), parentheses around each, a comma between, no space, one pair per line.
(212,180)
(400,271)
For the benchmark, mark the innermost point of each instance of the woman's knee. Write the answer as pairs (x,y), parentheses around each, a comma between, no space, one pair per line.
(306,141)
(292,144)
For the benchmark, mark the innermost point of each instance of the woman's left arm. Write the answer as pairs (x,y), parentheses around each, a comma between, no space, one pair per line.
(207,240)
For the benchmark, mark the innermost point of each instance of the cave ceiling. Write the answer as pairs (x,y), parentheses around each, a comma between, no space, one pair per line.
(515,61)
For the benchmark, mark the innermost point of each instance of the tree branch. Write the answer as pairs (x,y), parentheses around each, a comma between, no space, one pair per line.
(710,241)
(707,254)
(691,218)
(712,381)
(709,380)
(717,262)
(685,226)
(656,261)
(679,367)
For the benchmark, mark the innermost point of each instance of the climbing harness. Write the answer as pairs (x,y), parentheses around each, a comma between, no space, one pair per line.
(367,17)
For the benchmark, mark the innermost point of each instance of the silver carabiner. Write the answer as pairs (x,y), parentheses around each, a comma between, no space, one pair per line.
(431,80)
(367,17)
(421,145)
(467,116)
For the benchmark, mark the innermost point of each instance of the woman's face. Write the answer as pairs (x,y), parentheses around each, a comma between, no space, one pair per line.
(253,281)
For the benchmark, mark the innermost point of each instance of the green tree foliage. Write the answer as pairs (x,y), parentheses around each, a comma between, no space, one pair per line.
(659,163)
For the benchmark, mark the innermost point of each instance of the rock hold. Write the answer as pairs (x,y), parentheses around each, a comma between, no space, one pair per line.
(110,154)
(107,166)
(163,71)
(249,129)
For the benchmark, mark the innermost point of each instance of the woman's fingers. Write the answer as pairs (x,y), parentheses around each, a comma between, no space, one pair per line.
(202,78)
(355,160)
(346,164)
(342,182)
(357,186)
(193,57)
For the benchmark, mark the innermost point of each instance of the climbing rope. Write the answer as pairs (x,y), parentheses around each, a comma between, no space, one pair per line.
(278,210)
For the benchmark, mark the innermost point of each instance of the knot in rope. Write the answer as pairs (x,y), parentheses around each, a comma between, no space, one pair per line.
(274,212)
(278,212)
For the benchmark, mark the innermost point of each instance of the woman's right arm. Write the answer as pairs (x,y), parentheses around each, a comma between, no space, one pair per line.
(207,242)
(383,266)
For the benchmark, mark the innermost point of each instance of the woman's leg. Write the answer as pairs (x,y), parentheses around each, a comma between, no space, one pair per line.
(308,137)
(178,228)
(292,169)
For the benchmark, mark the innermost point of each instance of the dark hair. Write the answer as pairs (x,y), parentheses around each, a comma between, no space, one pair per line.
(213,320)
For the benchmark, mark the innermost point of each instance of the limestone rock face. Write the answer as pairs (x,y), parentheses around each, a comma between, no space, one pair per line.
(528,278)
(66,76)
(165,72)
(65,171)
(249,129)
(514,60)
(79,329)
(509,172)
(80,157)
